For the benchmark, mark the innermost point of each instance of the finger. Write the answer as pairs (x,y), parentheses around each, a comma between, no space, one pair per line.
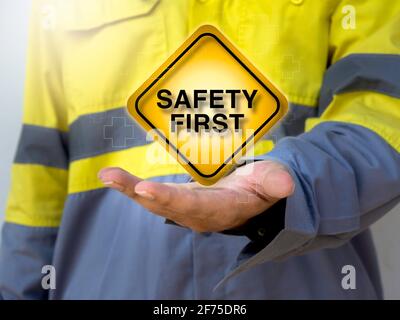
(179,198)
(201,208)
(123,181)
(157,197)
(120,180)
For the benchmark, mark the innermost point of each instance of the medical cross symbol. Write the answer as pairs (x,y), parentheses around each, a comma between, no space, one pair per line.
(119,132)
(291,65)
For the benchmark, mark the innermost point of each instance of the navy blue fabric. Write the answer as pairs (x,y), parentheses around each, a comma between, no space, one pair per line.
(293,123)
(115,249)
(104,132)
(43,146)
(343,172)
(346,178)
(361,72)
(108,247)
(24,251)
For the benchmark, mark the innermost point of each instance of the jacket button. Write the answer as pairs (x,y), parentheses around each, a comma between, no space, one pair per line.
(297,2)
(261,232)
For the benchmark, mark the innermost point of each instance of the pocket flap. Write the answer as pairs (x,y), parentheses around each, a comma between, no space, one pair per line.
(90,14)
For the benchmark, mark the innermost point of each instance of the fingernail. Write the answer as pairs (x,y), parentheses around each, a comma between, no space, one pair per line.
(114,185)
(100,174)
(145,195)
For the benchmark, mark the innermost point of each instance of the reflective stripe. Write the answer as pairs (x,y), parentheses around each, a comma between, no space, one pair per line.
(361,72)
(365,109)
(98,133)
(44,146)
(143,161)
(114,130)
(89,136)
(293,123)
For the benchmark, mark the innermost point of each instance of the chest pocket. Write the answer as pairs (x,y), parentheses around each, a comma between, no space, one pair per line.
(288,40)
(111,47)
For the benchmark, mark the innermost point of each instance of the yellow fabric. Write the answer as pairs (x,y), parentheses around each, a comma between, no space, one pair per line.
(154,162)
(38,193)
(36,196)
(377,29)
(101,74)
(374,111)
(377,112)
(44,101)
(89,56)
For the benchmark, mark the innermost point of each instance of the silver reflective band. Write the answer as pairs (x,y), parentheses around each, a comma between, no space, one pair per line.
(293,123)
(103,132)
(44,146)
(361,72)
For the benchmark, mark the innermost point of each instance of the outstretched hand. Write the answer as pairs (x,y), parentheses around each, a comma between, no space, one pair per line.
(233,200)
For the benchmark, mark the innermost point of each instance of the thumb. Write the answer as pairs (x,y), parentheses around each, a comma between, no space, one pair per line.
(275,182)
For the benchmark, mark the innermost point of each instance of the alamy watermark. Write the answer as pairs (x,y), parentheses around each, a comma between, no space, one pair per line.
(349,18)
(49,278)
(349,280)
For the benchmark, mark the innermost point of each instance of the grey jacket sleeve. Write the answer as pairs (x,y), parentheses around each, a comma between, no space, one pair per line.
(346,177)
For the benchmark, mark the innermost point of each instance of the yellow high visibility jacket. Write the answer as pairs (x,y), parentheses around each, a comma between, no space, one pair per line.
(336,60)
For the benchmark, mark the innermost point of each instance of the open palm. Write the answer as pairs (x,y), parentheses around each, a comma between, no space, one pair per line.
(250,190)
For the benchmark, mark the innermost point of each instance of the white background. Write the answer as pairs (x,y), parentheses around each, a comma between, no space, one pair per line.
(13,34)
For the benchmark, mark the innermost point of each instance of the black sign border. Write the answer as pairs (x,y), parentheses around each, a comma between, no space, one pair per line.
(207,34)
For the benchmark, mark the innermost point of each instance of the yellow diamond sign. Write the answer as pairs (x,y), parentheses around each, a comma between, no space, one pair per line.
(207,105)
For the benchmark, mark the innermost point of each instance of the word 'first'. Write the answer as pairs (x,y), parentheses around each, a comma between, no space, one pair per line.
(213,99)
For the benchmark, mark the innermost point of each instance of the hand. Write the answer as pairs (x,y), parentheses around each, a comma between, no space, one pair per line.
(233,200)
